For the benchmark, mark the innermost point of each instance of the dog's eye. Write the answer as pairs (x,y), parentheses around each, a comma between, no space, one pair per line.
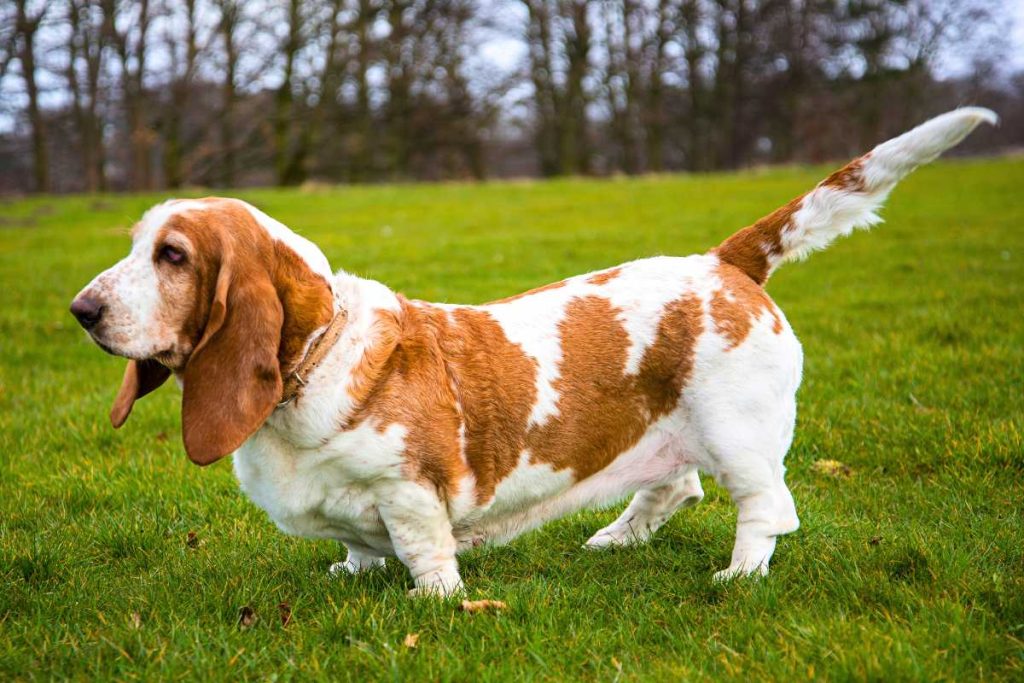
(172,254)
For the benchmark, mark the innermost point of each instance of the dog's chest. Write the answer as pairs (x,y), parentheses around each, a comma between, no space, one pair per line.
(313,493)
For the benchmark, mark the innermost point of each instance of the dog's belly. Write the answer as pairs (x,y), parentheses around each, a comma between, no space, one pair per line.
(309,493)
(534,493)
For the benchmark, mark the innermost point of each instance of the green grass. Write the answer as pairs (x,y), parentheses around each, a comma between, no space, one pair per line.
(912,568)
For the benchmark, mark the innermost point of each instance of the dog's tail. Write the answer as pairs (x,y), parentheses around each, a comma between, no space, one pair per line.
(847,199)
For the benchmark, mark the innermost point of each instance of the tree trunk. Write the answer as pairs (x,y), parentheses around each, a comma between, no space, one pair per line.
(283,98)
(631,66)
(362,158)
(227,27)
(575,150)
(655,118)
(26,28)
(547,105)
(696,156)
(78,116)
(133,86)
(181,90)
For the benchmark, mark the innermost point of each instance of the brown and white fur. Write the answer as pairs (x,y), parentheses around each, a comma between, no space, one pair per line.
(430,428)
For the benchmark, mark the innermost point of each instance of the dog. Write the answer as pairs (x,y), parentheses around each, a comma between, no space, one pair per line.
(409,429)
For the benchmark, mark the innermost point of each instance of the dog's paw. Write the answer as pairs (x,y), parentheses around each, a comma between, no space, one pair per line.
(615,537)
(439,587)
(437,592)
(734,572)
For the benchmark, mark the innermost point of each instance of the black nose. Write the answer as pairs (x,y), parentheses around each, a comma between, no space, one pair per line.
(87,310)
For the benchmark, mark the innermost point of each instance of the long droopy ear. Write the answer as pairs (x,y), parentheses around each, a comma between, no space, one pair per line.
(140,378)
(232,381)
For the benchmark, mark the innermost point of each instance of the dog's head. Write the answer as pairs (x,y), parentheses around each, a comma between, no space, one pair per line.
(219,294)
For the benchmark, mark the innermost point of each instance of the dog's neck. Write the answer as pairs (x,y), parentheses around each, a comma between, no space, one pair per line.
(326,399)
(317,348)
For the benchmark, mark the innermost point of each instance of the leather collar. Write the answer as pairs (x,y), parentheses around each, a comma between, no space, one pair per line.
(318,350)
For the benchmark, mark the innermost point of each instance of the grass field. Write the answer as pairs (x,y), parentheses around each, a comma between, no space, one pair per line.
(911,567)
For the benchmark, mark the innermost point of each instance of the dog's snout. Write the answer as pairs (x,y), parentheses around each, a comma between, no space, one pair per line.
(87,310)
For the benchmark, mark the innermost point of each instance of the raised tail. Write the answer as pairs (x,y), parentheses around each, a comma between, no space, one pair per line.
(847,199)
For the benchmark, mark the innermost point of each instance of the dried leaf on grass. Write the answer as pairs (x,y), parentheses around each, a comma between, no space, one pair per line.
(136,620)
(411,640)
(832,468)
(482,605)
(192,540)
(246,617)
(285,612)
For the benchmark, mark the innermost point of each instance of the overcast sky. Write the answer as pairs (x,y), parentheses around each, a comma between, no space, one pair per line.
(1018,33)
(506,53)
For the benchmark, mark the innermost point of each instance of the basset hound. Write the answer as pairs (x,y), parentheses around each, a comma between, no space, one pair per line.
(409,429)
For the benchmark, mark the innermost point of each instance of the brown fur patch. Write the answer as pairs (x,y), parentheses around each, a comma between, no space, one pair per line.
(738,304)
(601,410)
(307,301)
(604,277)
(410,386)
(849,177)
(496,386)
(750,248)
(385,332)
(461,370)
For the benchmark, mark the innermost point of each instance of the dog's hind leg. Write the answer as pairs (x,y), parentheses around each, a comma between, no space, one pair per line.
(765,510)
(747,449)
(356,562)
(649,509)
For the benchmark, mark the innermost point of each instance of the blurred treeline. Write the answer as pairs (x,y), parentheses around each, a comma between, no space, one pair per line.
(111,95)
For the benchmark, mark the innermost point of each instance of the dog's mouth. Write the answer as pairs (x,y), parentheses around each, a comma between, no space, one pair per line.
(105,347)
(166,357)
(97,339)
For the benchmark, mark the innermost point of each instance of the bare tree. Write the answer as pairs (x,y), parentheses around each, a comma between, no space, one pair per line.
(86,49)
(665,17)
(184,53)
(540,29)
(131,47)
(105,92)
(26,26)
(228,29)
(575,149)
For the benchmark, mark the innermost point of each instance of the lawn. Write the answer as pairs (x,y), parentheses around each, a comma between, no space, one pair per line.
(120,559)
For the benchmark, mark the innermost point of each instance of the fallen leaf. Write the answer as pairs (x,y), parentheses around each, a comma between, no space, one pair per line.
(920,407)
(136,620)
(161,437)
(285,610)
(832,468)
(192,540)
(875,540)
(246,617)
(411,639)
(481,605)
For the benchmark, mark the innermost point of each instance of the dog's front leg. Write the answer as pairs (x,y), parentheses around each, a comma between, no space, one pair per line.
(421,534)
